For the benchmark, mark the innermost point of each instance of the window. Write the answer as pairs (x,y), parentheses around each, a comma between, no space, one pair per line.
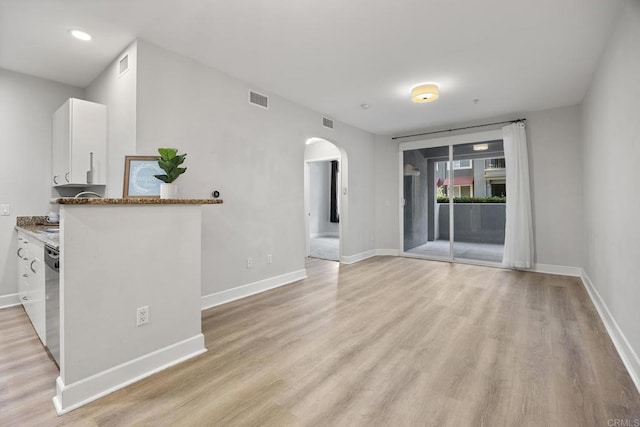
(461,164)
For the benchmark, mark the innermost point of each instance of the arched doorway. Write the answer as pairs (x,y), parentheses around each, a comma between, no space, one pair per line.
(325,199)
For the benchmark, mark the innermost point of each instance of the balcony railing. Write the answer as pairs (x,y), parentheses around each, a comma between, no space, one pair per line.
(494,168)
(494,164)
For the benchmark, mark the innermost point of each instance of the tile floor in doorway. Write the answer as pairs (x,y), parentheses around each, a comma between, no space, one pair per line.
(325,248)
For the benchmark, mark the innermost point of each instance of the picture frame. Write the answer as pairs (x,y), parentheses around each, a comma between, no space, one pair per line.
(139,179)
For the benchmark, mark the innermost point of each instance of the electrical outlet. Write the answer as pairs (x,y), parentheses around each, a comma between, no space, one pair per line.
(5,210)
(269,259)
(249,262)
(143,315)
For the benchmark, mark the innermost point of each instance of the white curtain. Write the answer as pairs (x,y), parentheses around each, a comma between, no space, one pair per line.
(518,239)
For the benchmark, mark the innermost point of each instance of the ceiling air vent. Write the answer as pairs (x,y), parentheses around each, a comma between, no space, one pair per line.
(328,123)
(124,65)
(259,100)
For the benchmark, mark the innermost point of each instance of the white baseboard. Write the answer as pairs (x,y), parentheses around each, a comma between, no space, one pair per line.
(71,396)
(626,352)
(243,291)
(9,300)
(352,259)
(562,270)
(387,252)
(326,234)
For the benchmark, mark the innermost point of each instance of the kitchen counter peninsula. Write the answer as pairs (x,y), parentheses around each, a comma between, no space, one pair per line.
(133,201)
(120,257)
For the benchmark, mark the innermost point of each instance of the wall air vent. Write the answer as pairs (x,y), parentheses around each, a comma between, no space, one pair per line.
(328,123)
(258,99)
(124,65)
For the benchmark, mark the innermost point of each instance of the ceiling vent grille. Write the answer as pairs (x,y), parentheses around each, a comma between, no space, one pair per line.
(258,99)
(328,123)
(124,65)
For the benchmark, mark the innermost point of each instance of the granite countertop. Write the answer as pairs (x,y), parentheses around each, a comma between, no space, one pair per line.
(37,231)
(134,201)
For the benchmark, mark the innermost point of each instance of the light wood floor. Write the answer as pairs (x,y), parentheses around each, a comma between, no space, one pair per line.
(387,341)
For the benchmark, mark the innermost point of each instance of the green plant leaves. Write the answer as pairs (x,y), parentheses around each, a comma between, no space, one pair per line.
(169,162)
(490,199)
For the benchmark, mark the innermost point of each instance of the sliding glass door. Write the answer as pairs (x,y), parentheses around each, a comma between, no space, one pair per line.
(479,193)
(454,200)
(426,226)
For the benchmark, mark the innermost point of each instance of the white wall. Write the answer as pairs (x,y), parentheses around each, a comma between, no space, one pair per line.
(555,153)
(611,174)
(117,258)
(254,157)
(118,93)
(317,150)
(553,138)
(26,106)
(387,198)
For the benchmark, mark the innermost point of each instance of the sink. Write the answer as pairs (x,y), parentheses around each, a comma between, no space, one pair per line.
(50,231)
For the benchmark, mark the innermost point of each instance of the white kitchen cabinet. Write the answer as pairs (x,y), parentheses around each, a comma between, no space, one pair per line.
(31,282)
(79,130)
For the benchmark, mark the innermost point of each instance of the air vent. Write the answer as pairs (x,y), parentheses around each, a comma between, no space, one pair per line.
(259,100)
(328,123)
(124,65)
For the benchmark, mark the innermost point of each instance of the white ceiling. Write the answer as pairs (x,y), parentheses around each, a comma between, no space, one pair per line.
(333,55)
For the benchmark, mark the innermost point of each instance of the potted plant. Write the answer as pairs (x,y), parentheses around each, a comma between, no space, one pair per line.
(170,162)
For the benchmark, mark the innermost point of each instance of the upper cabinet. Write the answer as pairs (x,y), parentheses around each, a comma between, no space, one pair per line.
(79,157)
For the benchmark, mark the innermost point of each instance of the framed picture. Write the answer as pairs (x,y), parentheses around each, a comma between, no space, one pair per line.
(139,179)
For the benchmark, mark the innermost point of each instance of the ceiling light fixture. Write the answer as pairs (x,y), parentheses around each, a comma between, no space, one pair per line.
(480,147)
(425,93)
(80,35)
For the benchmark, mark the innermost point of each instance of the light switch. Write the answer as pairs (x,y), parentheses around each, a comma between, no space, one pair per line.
(5,210)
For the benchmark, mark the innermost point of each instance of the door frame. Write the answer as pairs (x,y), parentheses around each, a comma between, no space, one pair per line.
(450,141)
(343,194)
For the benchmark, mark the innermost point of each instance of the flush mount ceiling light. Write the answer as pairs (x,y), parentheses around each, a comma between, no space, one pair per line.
(80,35)
(480,147)
(425,93)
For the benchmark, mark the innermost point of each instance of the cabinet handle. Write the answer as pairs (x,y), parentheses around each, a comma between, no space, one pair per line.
(25,275)
(19,254)
(31,266)
(55,179)
(66,176)
(24,298)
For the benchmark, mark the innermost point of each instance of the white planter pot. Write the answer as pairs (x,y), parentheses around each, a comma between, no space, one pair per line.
(168,191)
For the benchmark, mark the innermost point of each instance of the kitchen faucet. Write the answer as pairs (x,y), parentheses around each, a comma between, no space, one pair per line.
(86,194)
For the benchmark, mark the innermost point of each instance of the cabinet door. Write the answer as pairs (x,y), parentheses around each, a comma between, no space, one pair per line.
(36,308)
(88,135)
(60,145)
(22,259)
(79,129)
(31,282)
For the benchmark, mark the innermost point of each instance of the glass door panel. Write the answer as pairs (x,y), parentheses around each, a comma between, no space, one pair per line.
(479,190)
(425,214)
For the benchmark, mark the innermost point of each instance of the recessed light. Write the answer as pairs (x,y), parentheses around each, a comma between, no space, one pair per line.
(365,106)
(480,147)
(80,35)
